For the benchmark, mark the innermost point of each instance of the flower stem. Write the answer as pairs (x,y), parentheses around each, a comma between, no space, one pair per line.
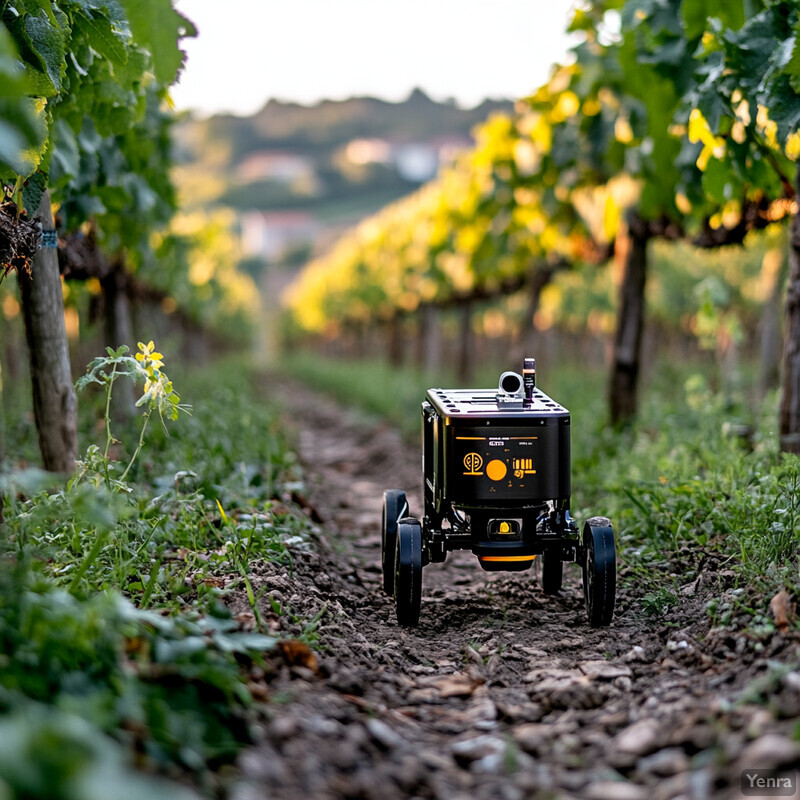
(109,437)
(138,446)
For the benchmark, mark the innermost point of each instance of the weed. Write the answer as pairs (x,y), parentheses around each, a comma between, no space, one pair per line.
(148,520)
(657,603)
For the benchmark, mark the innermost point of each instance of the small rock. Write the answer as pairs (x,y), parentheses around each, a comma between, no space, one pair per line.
(613,721)
(666,762)
(792,681)
(303,673)
(690,589)
(531,736)
(758,723)
(488,647)
(429,695)
(459,684)
(520,712)
(490,764)
(604,670)
(771,750)
(675,787)
(481,710)
(615,790)
(568,692)
(639,738)
(322,726)
(356,735)
(384,736)
(673,645)
(477,748)
(344,756)
(636,653)
(263,765)
(323,580)
(346,682)
(622,683)
(434,760)
(283,727)
(473,656)
(553,674)
(534,652)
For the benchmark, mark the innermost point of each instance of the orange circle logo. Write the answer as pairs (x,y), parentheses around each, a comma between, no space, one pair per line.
(496,470)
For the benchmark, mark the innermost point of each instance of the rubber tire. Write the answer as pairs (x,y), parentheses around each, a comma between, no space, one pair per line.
(552,573)
(408,572)
(599,571)
(395,506)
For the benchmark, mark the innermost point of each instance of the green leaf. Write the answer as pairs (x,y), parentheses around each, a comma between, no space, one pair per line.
(107,40)
(48,41)
(22,129)
(45,752)
(244,642)
(32,191)
(696,12)
(158,28)
(47,7)
(717,180)
(65,161)
(793,67)
(784,107)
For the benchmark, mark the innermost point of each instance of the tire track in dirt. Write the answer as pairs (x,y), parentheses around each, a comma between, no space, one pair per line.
(501,692)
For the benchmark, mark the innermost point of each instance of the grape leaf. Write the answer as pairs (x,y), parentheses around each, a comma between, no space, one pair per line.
(107,40)
(793,65)
(158,28)
(784,107)
(22,128)
(696,13)
(32,191)
(47,7)
(65,159)
(47,39)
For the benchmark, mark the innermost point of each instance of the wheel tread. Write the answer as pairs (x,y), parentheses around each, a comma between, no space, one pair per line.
(395,506)
(600,549)
(408,572)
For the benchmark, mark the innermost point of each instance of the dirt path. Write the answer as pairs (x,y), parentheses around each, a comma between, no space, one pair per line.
(501,692)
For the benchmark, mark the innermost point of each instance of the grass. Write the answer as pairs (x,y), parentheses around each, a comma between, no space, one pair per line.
(205,498)
(686,493)
(114,632)
(116,647)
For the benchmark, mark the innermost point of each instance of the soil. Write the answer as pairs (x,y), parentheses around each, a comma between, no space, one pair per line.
(501,691)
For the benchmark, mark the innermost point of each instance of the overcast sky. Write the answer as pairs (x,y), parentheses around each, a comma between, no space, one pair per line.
(249,51)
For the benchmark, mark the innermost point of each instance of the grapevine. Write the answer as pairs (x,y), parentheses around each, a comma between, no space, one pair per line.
(666,123)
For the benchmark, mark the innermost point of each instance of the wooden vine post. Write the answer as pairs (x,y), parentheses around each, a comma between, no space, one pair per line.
(54,401)
(623,386)
(465,343)
(118,330)
(790,394)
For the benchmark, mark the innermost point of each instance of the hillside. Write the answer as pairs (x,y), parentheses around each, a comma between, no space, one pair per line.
(298,174)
